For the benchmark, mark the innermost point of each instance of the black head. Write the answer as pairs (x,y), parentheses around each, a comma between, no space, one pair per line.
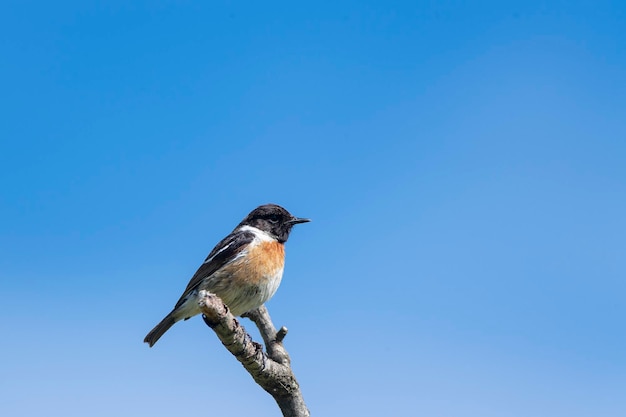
(272,219)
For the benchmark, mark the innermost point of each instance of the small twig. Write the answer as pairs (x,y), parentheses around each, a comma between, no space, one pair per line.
(273,340)
(281,334)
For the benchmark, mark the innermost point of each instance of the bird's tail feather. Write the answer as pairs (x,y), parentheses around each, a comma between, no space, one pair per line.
(158,331)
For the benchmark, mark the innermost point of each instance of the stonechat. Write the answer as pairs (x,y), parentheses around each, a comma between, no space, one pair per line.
(244,269)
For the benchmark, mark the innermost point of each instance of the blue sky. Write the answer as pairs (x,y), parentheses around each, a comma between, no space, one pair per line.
(463,164)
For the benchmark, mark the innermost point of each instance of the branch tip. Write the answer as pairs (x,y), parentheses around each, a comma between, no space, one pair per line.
(280,334)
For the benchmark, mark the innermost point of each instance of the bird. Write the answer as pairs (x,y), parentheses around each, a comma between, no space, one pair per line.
(244,269)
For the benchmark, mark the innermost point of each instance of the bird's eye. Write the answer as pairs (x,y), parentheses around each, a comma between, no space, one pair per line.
(274,218)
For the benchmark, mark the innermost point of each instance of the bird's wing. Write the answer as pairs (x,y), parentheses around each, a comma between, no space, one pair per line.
(222,254)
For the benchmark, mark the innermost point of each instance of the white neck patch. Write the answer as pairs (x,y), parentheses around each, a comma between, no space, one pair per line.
(260,234)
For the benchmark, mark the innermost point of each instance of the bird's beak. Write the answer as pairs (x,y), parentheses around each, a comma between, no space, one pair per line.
(297,220)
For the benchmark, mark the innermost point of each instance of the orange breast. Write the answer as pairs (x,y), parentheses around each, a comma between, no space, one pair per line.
(263,262)
(251,279)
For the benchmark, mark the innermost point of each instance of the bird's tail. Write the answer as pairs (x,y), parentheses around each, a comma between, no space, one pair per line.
(158,331)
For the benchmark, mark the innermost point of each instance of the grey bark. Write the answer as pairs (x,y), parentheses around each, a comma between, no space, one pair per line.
(270,369)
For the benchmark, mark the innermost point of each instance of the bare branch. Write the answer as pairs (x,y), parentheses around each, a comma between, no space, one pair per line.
(273,340)
(271,370)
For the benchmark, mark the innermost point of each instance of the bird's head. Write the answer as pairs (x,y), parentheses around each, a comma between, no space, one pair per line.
(273,219)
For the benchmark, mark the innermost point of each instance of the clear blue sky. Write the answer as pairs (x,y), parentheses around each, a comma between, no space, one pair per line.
(464,166)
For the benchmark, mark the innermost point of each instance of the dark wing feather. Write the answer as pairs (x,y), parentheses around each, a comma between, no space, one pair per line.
(222,253)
